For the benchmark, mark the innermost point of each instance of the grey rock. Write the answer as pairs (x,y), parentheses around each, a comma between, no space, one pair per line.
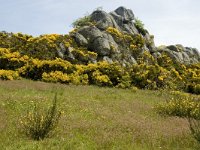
(69,54)
(103,20)
(181,54)
(107,59)
(96,40)
(61,51)
(90,33)
(115,49)
(150,42)
(127,14)
(101,46)
(124,25)
(113,44)
(80,39)
(156,55)
(132,60)
(173,48)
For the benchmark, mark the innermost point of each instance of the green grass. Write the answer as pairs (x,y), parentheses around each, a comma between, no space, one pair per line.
(94,118)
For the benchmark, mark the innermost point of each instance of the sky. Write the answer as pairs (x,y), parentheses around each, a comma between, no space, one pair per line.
(170,21)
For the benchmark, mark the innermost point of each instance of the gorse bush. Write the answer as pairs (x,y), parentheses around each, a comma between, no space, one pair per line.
(39,123)
(56,76)
(11,60)
(9,75)
(42,47)
(185,106)
(181,106)
(133,42)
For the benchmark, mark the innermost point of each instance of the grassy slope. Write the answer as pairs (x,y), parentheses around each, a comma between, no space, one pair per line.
(94,118)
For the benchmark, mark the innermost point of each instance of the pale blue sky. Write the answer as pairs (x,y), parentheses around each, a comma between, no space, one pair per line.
(171,21)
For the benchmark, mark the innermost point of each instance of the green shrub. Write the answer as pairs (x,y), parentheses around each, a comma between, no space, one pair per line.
(193,88)
(140,26)
(39,123)
(84,21)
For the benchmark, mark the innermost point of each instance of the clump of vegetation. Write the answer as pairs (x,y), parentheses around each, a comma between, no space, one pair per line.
(42,47)
(193,88)
(84,21)
(9,75)
(140,26)
(181,106)
(56,76)
(38,123)
(130,41)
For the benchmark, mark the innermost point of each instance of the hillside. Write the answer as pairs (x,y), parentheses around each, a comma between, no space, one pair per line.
(101,118)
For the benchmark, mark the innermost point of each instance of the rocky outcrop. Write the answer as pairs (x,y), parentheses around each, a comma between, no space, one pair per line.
(126,49)
(178,53)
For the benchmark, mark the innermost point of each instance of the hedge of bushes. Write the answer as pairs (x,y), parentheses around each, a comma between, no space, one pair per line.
(148,73)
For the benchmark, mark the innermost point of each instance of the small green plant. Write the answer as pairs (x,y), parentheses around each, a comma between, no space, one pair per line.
(38,124)
(195,128)
(84,21)
(140,26)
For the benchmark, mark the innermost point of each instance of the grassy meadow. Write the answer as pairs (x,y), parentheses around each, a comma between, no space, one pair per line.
(93,118)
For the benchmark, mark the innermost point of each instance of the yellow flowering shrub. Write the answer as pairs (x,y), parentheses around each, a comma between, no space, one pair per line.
(134,42)
(15,42)
(35,68)
(114,32)
(101,79)
(56,76)
(113,71)
(181,107)
(83,55)
(124,81)
(149,76)
(79,79)
(42,47)
(9,75)
(45,46)
(146,58)
(164,61)
(11,60)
